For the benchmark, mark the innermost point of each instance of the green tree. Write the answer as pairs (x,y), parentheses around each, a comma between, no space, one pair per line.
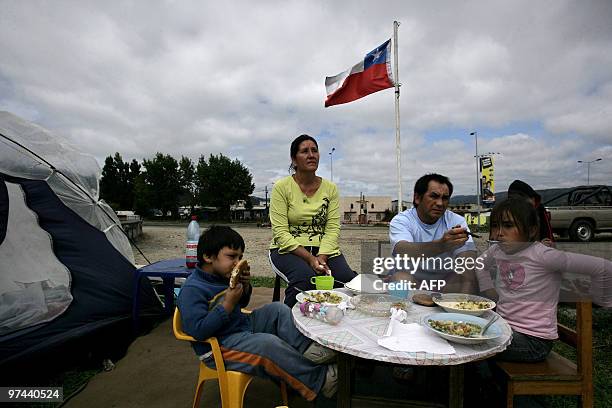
(161,179)
(222,181)
(188,184)
(117,182)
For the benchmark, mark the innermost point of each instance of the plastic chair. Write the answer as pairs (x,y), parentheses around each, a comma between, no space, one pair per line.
(277,280)
(232,384)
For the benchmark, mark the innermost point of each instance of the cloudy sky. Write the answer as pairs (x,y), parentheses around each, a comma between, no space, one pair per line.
(534,79)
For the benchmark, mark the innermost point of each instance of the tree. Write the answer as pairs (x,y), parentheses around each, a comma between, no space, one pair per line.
(188,184)
(117,182)
(222,181)
(161,181)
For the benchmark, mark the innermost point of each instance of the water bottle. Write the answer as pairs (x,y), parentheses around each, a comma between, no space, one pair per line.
(193,235)
(328,314)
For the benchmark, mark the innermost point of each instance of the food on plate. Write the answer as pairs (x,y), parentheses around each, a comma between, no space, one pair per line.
(462,329)
(423,299)
(398,305)
(241,267)
(467,305)
(323,297)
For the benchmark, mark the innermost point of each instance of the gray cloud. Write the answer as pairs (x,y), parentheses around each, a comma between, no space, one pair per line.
(191,78)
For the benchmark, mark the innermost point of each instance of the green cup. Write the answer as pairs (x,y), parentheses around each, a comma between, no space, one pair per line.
(323,282)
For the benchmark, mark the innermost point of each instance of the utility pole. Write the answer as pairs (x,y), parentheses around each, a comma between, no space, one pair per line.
(266,190)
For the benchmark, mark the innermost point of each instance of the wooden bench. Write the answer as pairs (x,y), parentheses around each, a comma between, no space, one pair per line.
(558,375)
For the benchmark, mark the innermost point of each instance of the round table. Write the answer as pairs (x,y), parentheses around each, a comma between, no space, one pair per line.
(357,335)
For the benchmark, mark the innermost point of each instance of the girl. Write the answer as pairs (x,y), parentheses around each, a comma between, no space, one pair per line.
(528,279)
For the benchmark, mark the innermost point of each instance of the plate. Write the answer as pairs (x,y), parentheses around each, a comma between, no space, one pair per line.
(302,298)
(378,305)
(450,303)
(492,333)
(364,283)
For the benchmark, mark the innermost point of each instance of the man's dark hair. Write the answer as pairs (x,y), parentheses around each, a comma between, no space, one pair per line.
(422,184)
(215,238)
(295,146)
(523,213)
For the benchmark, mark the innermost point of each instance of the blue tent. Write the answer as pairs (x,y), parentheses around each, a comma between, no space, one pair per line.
(66,268)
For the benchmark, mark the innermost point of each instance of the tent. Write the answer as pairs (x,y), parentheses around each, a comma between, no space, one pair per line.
(66,267)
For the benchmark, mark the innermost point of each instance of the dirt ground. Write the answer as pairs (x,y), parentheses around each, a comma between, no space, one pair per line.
(163,242)
(168,241)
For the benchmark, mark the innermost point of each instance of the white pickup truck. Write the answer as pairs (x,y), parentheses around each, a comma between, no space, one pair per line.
(581,212)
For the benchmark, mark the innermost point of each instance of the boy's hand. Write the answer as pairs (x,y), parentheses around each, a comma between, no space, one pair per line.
(232,297)
(245,277)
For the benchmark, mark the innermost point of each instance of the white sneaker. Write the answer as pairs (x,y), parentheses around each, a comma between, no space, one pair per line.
(330,386)
(319,354)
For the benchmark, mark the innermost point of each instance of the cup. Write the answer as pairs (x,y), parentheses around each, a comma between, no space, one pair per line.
(399,289)
(323,282)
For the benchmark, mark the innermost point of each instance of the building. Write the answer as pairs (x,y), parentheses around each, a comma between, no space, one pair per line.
(364,209)
(258,212)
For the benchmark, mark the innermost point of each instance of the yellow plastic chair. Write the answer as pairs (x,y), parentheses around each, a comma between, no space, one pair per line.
(232,384)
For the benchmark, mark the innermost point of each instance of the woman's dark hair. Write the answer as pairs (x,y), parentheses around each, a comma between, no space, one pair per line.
(422,184)
(215,238)
(295,146)
(522,212)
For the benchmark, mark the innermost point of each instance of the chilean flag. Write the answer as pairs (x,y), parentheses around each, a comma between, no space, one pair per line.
(370,75)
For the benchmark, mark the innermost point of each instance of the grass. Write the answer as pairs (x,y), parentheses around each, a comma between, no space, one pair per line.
(602,358)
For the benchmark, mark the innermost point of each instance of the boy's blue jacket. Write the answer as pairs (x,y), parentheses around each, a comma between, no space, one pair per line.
(202,313)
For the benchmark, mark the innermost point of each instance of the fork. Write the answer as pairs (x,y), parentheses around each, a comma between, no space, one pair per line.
(489,323)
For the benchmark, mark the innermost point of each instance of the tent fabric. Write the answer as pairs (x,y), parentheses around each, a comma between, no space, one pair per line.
(74,175)
(65,273)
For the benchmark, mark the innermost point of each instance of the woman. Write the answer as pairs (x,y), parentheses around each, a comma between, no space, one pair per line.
(520,189)
(305,216)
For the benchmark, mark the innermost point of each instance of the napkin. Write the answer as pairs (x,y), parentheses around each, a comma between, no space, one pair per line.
(412,338)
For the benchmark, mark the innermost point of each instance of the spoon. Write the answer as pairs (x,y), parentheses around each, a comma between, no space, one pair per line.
(489,323)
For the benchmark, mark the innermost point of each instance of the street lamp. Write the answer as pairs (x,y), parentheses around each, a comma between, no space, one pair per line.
(331,163)
(475,134)
(588,163)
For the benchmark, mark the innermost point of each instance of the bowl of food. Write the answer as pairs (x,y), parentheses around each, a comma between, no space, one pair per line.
(327,297)
(463,303)
(378,305)
(461,328)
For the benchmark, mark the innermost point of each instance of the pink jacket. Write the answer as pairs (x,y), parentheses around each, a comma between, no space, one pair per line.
(528,284)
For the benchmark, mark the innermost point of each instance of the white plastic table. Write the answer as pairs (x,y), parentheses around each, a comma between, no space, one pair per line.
(357,334)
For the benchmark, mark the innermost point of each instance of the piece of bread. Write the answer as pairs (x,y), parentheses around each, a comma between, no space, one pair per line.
(242,266)
(423,299)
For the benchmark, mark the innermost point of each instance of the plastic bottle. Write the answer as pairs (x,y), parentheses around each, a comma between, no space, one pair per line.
(328,314)
(193,235)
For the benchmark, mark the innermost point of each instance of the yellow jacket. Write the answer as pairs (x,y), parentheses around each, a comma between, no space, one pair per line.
(308,221)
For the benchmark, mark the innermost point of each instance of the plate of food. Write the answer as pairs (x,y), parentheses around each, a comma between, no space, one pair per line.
(365,283)
(328,297)
(463,303)
(378,305)
(461,328)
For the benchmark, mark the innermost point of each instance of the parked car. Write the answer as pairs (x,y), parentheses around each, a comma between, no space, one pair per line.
(581,212)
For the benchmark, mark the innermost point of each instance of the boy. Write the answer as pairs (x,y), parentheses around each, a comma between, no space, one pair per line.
(264,343)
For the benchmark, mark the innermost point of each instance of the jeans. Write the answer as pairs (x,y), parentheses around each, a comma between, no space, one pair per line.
(298,273)
(274,350)
(525,348)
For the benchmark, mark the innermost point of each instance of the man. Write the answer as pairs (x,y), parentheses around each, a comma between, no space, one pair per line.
(438,238)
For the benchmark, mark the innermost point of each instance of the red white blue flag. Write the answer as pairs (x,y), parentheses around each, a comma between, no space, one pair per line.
(372,74)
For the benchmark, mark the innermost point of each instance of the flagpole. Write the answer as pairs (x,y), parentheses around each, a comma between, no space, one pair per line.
(397,120)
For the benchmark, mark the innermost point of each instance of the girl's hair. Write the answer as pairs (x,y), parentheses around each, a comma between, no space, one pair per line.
(295,146)
(522,212)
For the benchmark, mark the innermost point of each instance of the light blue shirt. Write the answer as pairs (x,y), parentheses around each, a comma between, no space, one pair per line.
(407,226)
